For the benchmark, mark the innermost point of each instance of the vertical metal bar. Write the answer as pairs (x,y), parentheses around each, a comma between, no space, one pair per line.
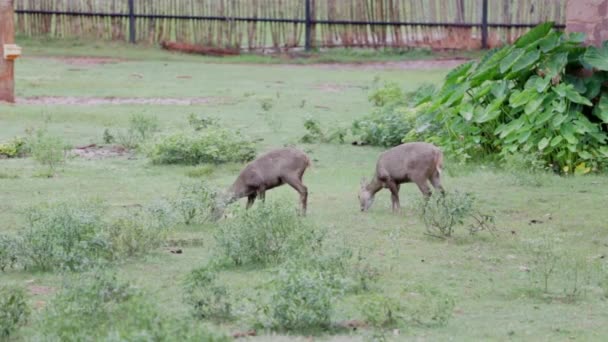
(308,24)
(484,24)
(132,21)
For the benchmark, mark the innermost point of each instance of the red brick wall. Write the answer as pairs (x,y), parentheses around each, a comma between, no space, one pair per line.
(589,16)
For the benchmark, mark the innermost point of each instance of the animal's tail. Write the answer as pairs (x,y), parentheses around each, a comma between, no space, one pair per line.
(439,161)
(309,164)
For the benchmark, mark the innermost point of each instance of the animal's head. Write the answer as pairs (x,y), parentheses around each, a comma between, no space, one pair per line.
(366,198)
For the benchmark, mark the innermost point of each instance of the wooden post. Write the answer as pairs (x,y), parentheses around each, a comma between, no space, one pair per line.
(308,24)
(7,36)
(131,22)
(484,24)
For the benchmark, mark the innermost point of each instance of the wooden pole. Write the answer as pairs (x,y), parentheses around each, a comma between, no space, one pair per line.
(7,36)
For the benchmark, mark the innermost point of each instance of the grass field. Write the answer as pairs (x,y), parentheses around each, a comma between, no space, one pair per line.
(488,276)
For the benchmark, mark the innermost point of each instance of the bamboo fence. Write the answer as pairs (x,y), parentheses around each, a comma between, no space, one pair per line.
(441,24)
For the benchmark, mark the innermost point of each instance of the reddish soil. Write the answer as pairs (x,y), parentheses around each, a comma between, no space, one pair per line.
(40,290)
(199,49)
(99,152)
(94,101)
(402,65)
(84,60)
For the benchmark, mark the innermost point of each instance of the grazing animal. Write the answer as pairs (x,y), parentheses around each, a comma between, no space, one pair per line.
(272,169)
(416,162)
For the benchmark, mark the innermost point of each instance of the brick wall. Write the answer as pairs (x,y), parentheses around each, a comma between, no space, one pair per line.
(589,16)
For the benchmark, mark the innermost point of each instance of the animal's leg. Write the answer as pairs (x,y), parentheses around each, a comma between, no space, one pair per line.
(424,187)
(297,184)
(262,194)
(394,188)
(250,200)
(436,182)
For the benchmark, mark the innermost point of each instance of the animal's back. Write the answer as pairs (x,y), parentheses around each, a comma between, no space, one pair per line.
(409,160)
(276,162)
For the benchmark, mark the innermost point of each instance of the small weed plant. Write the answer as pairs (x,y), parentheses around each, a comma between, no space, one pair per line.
(207,299)
(441,213)
(213,145)
(199,123)
(9,252)
(14,148)
(141,128)
(47,149)
(14,311)
(98,306)
(266,233)
(196,202)
(315,134)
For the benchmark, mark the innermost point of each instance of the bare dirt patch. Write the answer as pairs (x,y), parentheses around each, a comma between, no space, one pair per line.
(94,151)
(111,100)
(40,290)
(399,65)
(84,60)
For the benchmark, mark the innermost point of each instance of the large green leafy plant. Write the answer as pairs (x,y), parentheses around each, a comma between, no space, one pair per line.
(546,94)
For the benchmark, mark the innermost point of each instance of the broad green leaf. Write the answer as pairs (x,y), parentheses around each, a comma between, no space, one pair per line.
(555,141)
(597,57)
(585,155)
(544,142)
(524,136)
(466,111)
(577,37)
(533,105)
(559,119)
(482,90)
(542,84)
(576,97)
(500,88)
(583,125)
(508,128)
(526,61)
(519,99)
(560,89)
(577,82)
(559,105)
(510,59)
(604,151)
(534,35)
(544,116)
(567,131)
(549,42)
(581,169)
(555,64)
(593,85)
(491,112)
(601,108)
(458,73)
(457,94)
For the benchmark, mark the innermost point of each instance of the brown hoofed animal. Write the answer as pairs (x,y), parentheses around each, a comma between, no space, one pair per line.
(272,169)
(416,162)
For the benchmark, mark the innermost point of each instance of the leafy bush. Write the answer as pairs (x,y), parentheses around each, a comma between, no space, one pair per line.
(133,233)
(64,235)
(392,117)
(100,307)
(381,311)
(212,145)
(315,134)
(141,128)
(13,148)
(9,249)
(263,234)
(196,202)
(48,150)
(199,123)
(442,213)
(206,299)
(78,235)
(13,310)
(302,299)
(527,97)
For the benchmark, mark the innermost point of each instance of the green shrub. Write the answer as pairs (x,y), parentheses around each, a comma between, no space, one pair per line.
(315,134)
(526,169)
(392,117)
(14,311)
(78,235)
(17,147)
(133,233)
(381,311)
(428,306)
(9,252)
(441,214)
(64,235)
(141,128)
(212,145)
(301,299)
(98,307)
(527,98)
(198,123)
(48,150)
(266,233)
(196,202)
(207,300)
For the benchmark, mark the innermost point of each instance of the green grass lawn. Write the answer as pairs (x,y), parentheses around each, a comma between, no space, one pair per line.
(486,275)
